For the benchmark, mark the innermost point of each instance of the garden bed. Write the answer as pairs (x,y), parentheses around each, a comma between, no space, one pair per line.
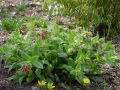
(112,76)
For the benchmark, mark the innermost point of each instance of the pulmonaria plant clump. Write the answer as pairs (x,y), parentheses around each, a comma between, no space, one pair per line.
(53,53)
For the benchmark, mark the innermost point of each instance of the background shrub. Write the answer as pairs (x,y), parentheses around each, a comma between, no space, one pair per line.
(92,12)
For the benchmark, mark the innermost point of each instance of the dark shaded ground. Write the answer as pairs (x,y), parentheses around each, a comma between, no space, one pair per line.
(112,76)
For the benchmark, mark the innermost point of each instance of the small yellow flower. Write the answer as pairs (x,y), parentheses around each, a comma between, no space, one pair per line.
(50,86)
(86,80)
(41,83)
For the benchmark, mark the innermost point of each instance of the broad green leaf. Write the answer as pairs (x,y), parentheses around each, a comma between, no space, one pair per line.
(12,77)
(63,55)
(30,76)
(11,67)
(38,64)
(21,79)
(24,55)
(22,63)
(35,51)
(67,67)
(108,45)
(38,73)
(34,59)
(97,79)
(71,62)
(30,79)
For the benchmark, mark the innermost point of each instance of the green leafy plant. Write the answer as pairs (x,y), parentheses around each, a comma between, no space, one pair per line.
(32,22)
(23,24)
(49,53)
(9,24)
(21,8)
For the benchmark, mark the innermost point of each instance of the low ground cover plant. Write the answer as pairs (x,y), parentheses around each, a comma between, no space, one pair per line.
(24,23)
(56,55)
(21,8)
(9,24)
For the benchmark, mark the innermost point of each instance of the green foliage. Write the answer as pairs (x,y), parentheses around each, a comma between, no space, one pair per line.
(89,12)
(9,24)
(32,21)
(29,23)
(48,54)
(21,8)
(109,10)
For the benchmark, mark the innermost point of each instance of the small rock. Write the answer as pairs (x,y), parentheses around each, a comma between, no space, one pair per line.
(35,88)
